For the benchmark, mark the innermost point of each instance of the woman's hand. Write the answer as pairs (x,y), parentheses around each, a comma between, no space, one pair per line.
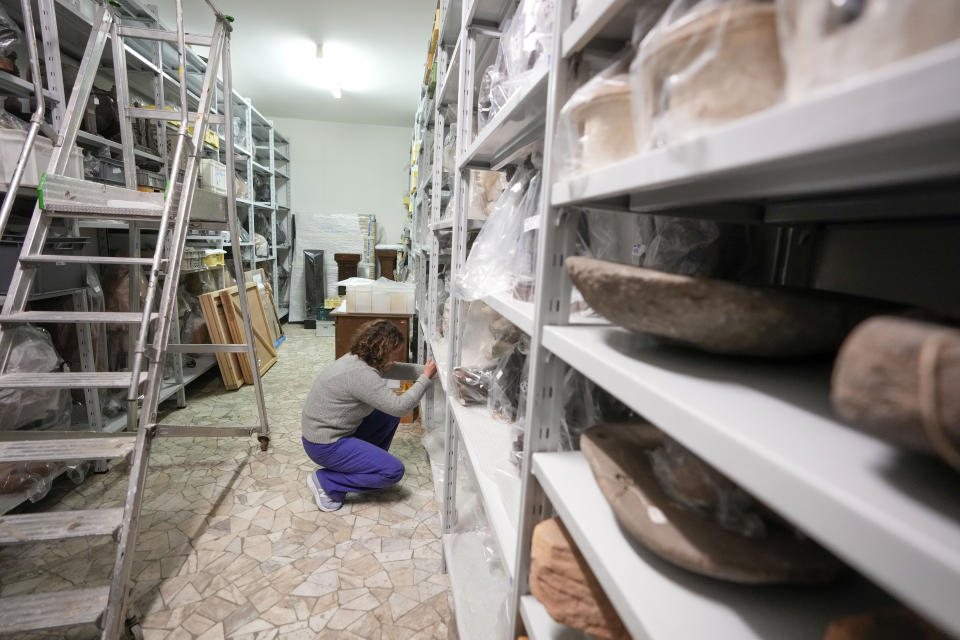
(430,369)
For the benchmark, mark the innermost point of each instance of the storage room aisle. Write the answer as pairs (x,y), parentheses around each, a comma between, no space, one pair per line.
(232,544)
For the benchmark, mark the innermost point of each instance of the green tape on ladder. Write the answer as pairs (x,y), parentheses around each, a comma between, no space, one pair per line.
(113,2)
(43,182)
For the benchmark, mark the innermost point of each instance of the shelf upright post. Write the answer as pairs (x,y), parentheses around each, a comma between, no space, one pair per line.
(53,70)
(556,240)
(458,257)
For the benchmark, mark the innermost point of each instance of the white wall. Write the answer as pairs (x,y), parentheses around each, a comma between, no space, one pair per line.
(348,168)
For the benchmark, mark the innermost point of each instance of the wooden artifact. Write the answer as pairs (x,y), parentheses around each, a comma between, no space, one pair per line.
(214,314)
(718,316)
(898,378)
(562,581)
(892,624)
(266,353)
(688,513)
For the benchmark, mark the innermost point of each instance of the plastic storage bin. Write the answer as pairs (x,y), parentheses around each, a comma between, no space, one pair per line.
(11,143)
(50,277)
(213,176)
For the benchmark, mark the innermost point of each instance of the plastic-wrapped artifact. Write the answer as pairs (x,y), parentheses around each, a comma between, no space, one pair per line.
(523,265)
(472,384)
(706,62)
(33,352)
(595,127)
(485,189)
(507,382)
(487,336)
(828,41)
(485,272)
(10,33)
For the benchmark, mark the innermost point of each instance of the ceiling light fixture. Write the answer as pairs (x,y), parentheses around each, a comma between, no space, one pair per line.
(326,70)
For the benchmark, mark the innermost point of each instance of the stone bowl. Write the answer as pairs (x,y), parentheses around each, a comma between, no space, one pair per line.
(718,316)
(618,456)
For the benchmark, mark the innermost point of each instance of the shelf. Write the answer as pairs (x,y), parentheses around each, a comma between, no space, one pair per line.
(895,126)
(93,140)
(769,426)
(487,12)
(450,81)
(447,223)
(518,312)
(16,86)
(540,626)
(600,19)
(450,17)
(263,205)
(488,443)
(259,167)
(512,131)
(660,601)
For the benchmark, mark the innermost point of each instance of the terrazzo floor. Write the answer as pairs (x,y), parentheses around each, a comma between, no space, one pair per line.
(232,544)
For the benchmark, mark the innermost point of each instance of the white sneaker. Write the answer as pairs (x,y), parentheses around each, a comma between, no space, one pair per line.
(324,502)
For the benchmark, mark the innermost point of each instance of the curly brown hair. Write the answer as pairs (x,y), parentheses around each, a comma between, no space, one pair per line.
(375,342)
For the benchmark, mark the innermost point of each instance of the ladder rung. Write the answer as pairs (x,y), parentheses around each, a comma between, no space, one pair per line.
(53,609)
(206,348)
(68,449)
(71,380)
(164,35)
(73,197)
(55,259)
(75,317)
(174,115)
(58,525)
(192,431)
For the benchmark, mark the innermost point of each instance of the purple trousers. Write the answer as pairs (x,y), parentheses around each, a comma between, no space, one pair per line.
(358,463)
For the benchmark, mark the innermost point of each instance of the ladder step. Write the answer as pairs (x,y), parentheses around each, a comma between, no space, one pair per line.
(173,115)
(57,259)
(68,449)
(52,610)
(206,348)
(59,525)
(71,380)
(193,431)
(72,197)
(165,36)
(75,317)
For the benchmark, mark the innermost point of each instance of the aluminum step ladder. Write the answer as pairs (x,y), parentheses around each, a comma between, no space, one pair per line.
(64,200)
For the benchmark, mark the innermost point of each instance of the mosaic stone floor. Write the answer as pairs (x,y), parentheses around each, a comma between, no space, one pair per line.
(232,544)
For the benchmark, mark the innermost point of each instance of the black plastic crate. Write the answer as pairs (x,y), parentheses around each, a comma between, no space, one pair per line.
(50,276)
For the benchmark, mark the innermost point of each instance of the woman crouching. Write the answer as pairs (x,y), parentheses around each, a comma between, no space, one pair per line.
(351,415)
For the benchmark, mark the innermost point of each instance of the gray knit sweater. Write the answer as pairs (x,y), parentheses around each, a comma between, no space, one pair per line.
(348,390)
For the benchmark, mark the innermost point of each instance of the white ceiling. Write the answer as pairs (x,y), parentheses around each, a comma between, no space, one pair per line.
(384,41)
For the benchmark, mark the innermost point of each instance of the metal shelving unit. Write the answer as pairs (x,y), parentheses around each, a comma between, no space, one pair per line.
(768,426)
(64,26)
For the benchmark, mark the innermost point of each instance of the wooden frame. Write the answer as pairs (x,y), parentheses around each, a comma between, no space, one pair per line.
(266,352)
(215,315)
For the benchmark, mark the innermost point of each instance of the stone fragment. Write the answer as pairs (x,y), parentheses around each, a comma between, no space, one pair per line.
(562,581)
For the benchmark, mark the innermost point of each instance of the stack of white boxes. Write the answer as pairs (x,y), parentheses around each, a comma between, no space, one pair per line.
(368,253)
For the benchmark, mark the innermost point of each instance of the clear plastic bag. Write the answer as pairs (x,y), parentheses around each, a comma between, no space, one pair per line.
(485,189)
(595,127)
(484,272)
(523,265)
(472,384)
(10,33)
(827,41)
(706,62)
(504,398)
(33,352)
(10,121)
(524,48)
(487,336)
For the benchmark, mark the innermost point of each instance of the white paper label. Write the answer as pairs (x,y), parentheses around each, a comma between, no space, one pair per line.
(531,223)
